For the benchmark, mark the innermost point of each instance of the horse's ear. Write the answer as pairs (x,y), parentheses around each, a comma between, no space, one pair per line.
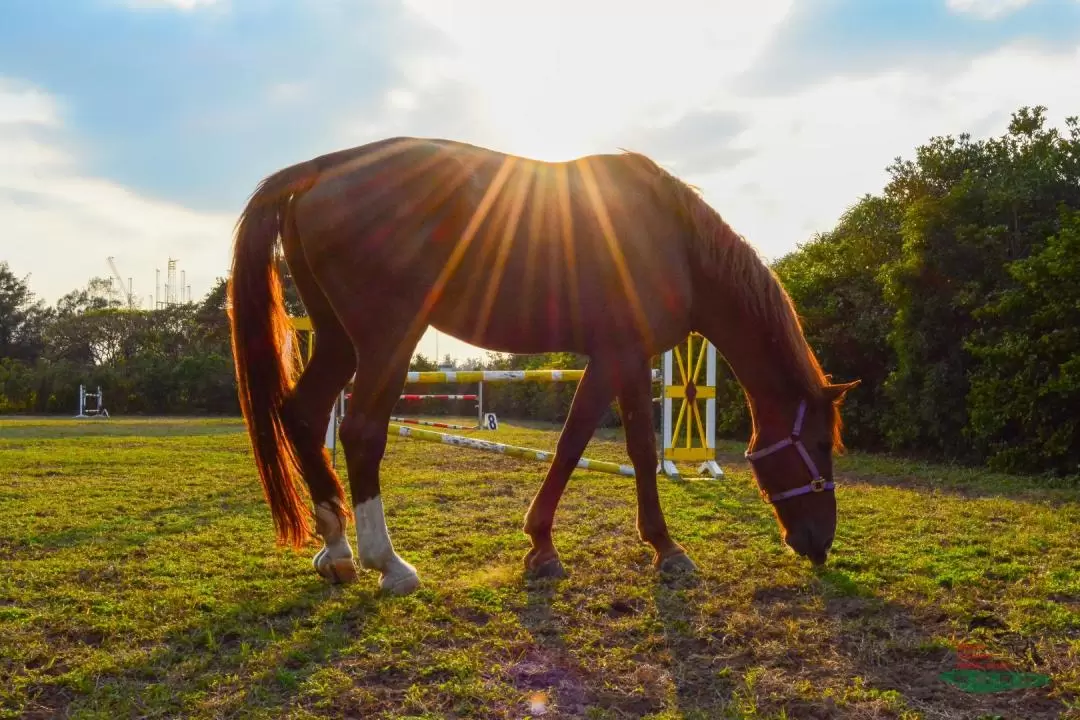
(835,393)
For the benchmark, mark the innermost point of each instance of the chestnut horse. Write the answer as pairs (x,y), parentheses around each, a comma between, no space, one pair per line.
(608,256)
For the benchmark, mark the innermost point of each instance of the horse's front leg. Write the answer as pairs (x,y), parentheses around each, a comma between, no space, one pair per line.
(594,393)
(635,402)
(363,437)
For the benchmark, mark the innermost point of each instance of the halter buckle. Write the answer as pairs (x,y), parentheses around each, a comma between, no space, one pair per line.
(817,485)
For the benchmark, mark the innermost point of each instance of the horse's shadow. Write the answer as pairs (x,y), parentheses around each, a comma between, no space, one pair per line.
(547,672)
(703,682)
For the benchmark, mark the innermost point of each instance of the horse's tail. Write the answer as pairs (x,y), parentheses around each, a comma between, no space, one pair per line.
(260,327)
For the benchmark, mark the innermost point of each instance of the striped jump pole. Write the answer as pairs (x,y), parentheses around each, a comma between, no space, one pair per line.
(432,423)
(500,376)
(417,398)
(503,449)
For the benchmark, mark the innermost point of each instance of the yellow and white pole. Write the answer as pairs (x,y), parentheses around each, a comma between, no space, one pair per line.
(504,449)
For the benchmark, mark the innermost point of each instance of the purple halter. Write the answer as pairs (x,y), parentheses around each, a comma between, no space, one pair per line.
(816,485)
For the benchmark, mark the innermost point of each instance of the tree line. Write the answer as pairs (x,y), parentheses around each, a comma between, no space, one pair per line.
(954,295)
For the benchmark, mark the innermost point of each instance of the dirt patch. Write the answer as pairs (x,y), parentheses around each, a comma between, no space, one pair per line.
(46,702)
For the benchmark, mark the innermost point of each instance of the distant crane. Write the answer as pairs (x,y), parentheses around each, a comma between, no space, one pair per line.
(119,278)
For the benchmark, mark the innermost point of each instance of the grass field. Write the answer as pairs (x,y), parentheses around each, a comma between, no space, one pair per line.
(139,578)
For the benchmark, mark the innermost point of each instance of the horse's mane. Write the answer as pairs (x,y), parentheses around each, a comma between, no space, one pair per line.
(732,262)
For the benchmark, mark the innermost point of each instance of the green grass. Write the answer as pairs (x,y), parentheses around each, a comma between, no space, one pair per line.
(139,578)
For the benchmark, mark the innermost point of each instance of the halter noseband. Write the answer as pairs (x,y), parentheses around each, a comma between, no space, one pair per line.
(816,485)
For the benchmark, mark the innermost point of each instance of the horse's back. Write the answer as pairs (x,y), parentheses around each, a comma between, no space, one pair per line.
(525,255)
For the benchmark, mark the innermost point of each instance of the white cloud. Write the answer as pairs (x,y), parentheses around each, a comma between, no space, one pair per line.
(814,153)
(778,168)
(22,104)
(986,9)
(60,224)
(288,92)
(556,79)
(566,78)
(401,99)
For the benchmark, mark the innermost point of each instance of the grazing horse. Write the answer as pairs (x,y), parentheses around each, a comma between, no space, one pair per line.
(609,256)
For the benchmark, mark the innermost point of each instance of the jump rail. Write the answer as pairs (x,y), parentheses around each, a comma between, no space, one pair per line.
(500,376)
(504,449)
(418,398)
(432,423)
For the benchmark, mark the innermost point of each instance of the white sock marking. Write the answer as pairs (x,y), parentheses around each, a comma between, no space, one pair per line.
(372,537)
(330,526)
(377,551)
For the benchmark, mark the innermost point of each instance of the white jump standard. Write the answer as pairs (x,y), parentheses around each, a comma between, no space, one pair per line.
(97,411)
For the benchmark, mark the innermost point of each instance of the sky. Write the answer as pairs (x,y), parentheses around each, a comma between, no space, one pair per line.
(136,129)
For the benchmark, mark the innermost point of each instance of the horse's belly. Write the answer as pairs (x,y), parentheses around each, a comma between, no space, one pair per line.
(532,313)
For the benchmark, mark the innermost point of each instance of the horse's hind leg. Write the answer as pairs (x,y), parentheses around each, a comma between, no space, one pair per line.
(307,415)
(593,395)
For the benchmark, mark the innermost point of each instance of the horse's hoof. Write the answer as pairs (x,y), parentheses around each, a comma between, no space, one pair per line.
(552,568)
(340,571)
(677,564)
(401,584)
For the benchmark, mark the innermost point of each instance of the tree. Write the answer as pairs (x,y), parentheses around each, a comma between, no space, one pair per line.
(21,318)
(99,294)
(969,209)
(835,282)
(289,294)
(1026,390)
(212,317)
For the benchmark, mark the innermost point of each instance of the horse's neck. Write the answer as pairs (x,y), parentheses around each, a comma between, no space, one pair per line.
(757,361)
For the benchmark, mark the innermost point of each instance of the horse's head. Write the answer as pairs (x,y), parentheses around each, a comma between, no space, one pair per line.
(791,457)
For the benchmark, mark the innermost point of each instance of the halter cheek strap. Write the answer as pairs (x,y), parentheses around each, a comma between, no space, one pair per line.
(817,483)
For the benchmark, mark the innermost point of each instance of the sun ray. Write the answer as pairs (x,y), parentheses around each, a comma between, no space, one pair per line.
(463,172)
(371,157)
(617,258)
(467,235)
(460,172)
(536,222)
(508,235)
(566,227)
(413,217)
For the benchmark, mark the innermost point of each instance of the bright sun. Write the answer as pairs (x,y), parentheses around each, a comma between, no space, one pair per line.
(562,78)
